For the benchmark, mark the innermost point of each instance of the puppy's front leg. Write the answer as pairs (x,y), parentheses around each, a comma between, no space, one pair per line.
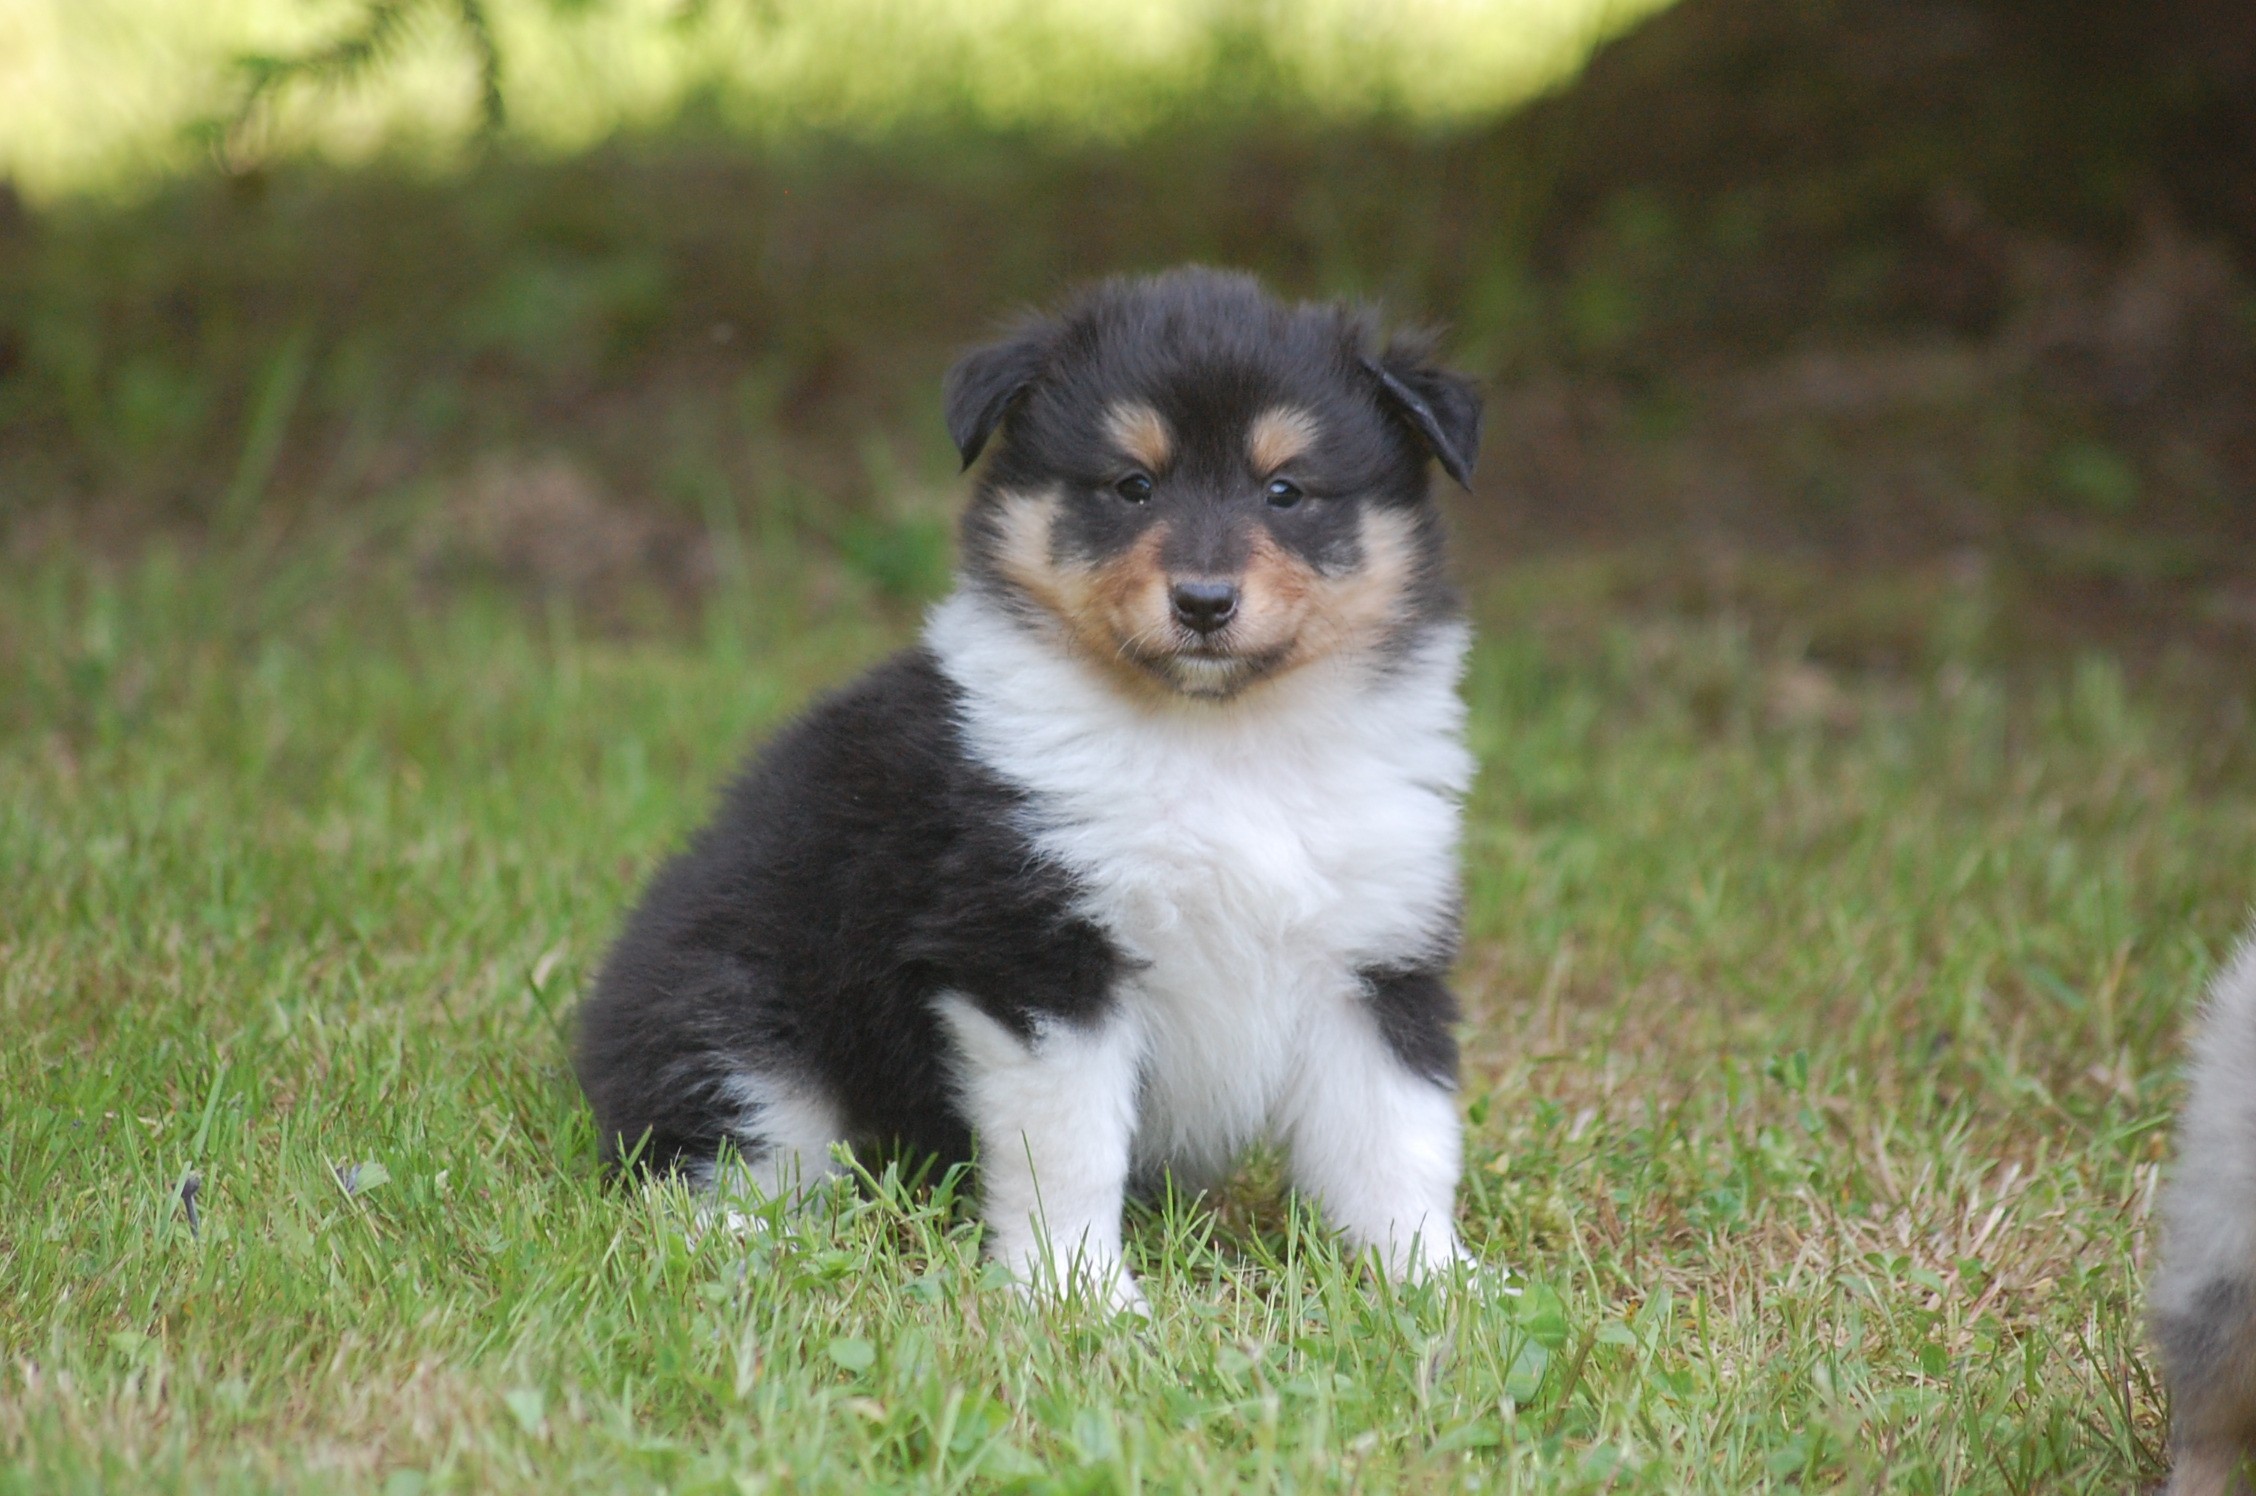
(1371,1121)
(1054,1115)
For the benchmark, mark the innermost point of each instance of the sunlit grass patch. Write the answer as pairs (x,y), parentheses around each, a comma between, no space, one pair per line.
(97,93)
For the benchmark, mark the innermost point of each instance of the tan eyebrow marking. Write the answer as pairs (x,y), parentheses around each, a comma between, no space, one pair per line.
(1278,435)
(1136,429)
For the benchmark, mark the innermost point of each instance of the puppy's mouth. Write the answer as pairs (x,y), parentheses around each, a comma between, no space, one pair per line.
(1207,666)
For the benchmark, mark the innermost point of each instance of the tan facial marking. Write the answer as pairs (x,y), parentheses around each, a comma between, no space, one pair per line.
(1296,615)
(1360,609)
(1022,538)
(1114,611)
(1137,430)
(1278,435)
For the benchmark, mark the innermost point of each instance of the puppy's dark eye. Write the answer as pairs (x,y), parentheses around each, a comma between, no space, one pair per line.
(1282,493)
(1135,488)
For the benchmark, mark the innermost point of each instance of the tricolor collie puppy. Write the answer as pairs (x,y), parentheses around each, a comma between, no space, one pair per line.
(1147,851)
(2203,1297)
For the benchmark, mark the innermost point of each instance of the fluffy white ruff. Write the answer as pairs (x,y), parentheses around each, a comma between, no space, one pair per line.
(1249,857)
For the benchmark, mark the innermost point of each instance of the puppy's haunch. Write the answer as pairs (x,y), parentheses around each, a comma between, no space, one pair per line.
(1148,850)
(2203,1298)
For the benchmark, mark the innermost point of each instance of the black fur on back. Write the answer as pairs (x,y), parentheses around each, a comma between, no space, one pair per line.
(859,866)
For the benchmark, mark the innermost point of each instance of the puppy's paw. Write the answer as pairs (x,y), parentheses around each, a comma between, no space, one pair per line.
(1417,1257)
(1105,1285)
(1115,1292)
(1124,1295)
(1487,1280)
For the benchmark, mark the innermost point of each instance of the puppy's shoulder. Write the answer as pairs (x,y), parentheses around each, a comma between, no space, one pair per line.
(899,716)
(885,749)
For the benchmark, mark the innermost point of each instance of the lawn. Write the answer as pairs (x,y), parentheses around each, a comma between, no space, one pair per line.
(1822,1022)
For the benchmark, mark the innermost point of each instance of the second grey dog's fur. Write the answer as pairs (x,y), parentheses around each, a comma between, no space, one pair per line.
(2204,1292)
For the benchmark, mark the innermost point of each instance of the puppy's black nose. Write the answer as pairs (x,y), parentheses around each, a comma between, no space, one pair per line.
(1204,606)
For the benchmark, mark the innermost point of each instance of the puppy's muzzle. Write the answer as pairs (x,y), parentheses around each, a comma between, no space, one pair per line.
(1203,606)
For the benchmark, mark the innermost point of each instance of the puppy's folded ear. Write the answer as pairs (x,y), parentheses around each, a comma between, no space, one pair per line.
(986,382)
(1442,407)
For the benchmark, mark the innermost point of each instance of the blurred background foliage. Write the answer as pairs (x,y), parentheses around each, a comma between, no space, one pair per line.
(1768,292)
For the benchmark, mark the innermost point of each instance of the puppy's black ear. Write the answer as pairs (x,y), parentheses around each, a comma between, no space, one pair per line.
(1444,408)
(986,382)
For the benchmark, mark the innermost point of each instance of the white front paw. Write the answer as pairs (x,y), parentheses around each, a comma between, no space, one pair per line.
(1488,1280)
(1413,1256)
(1123,1295)
(1042,1278)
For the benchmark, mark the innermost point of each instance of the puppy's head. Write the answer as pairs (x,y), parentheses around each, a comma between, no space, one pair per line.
(1203,487)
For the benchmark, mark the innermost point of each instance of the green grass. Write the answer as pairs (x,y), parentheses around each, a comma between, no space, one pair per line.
(1819,1071)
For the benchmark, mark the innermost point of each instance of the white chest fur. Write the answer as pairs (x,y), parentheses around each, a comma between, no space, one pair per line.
(1250,856)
